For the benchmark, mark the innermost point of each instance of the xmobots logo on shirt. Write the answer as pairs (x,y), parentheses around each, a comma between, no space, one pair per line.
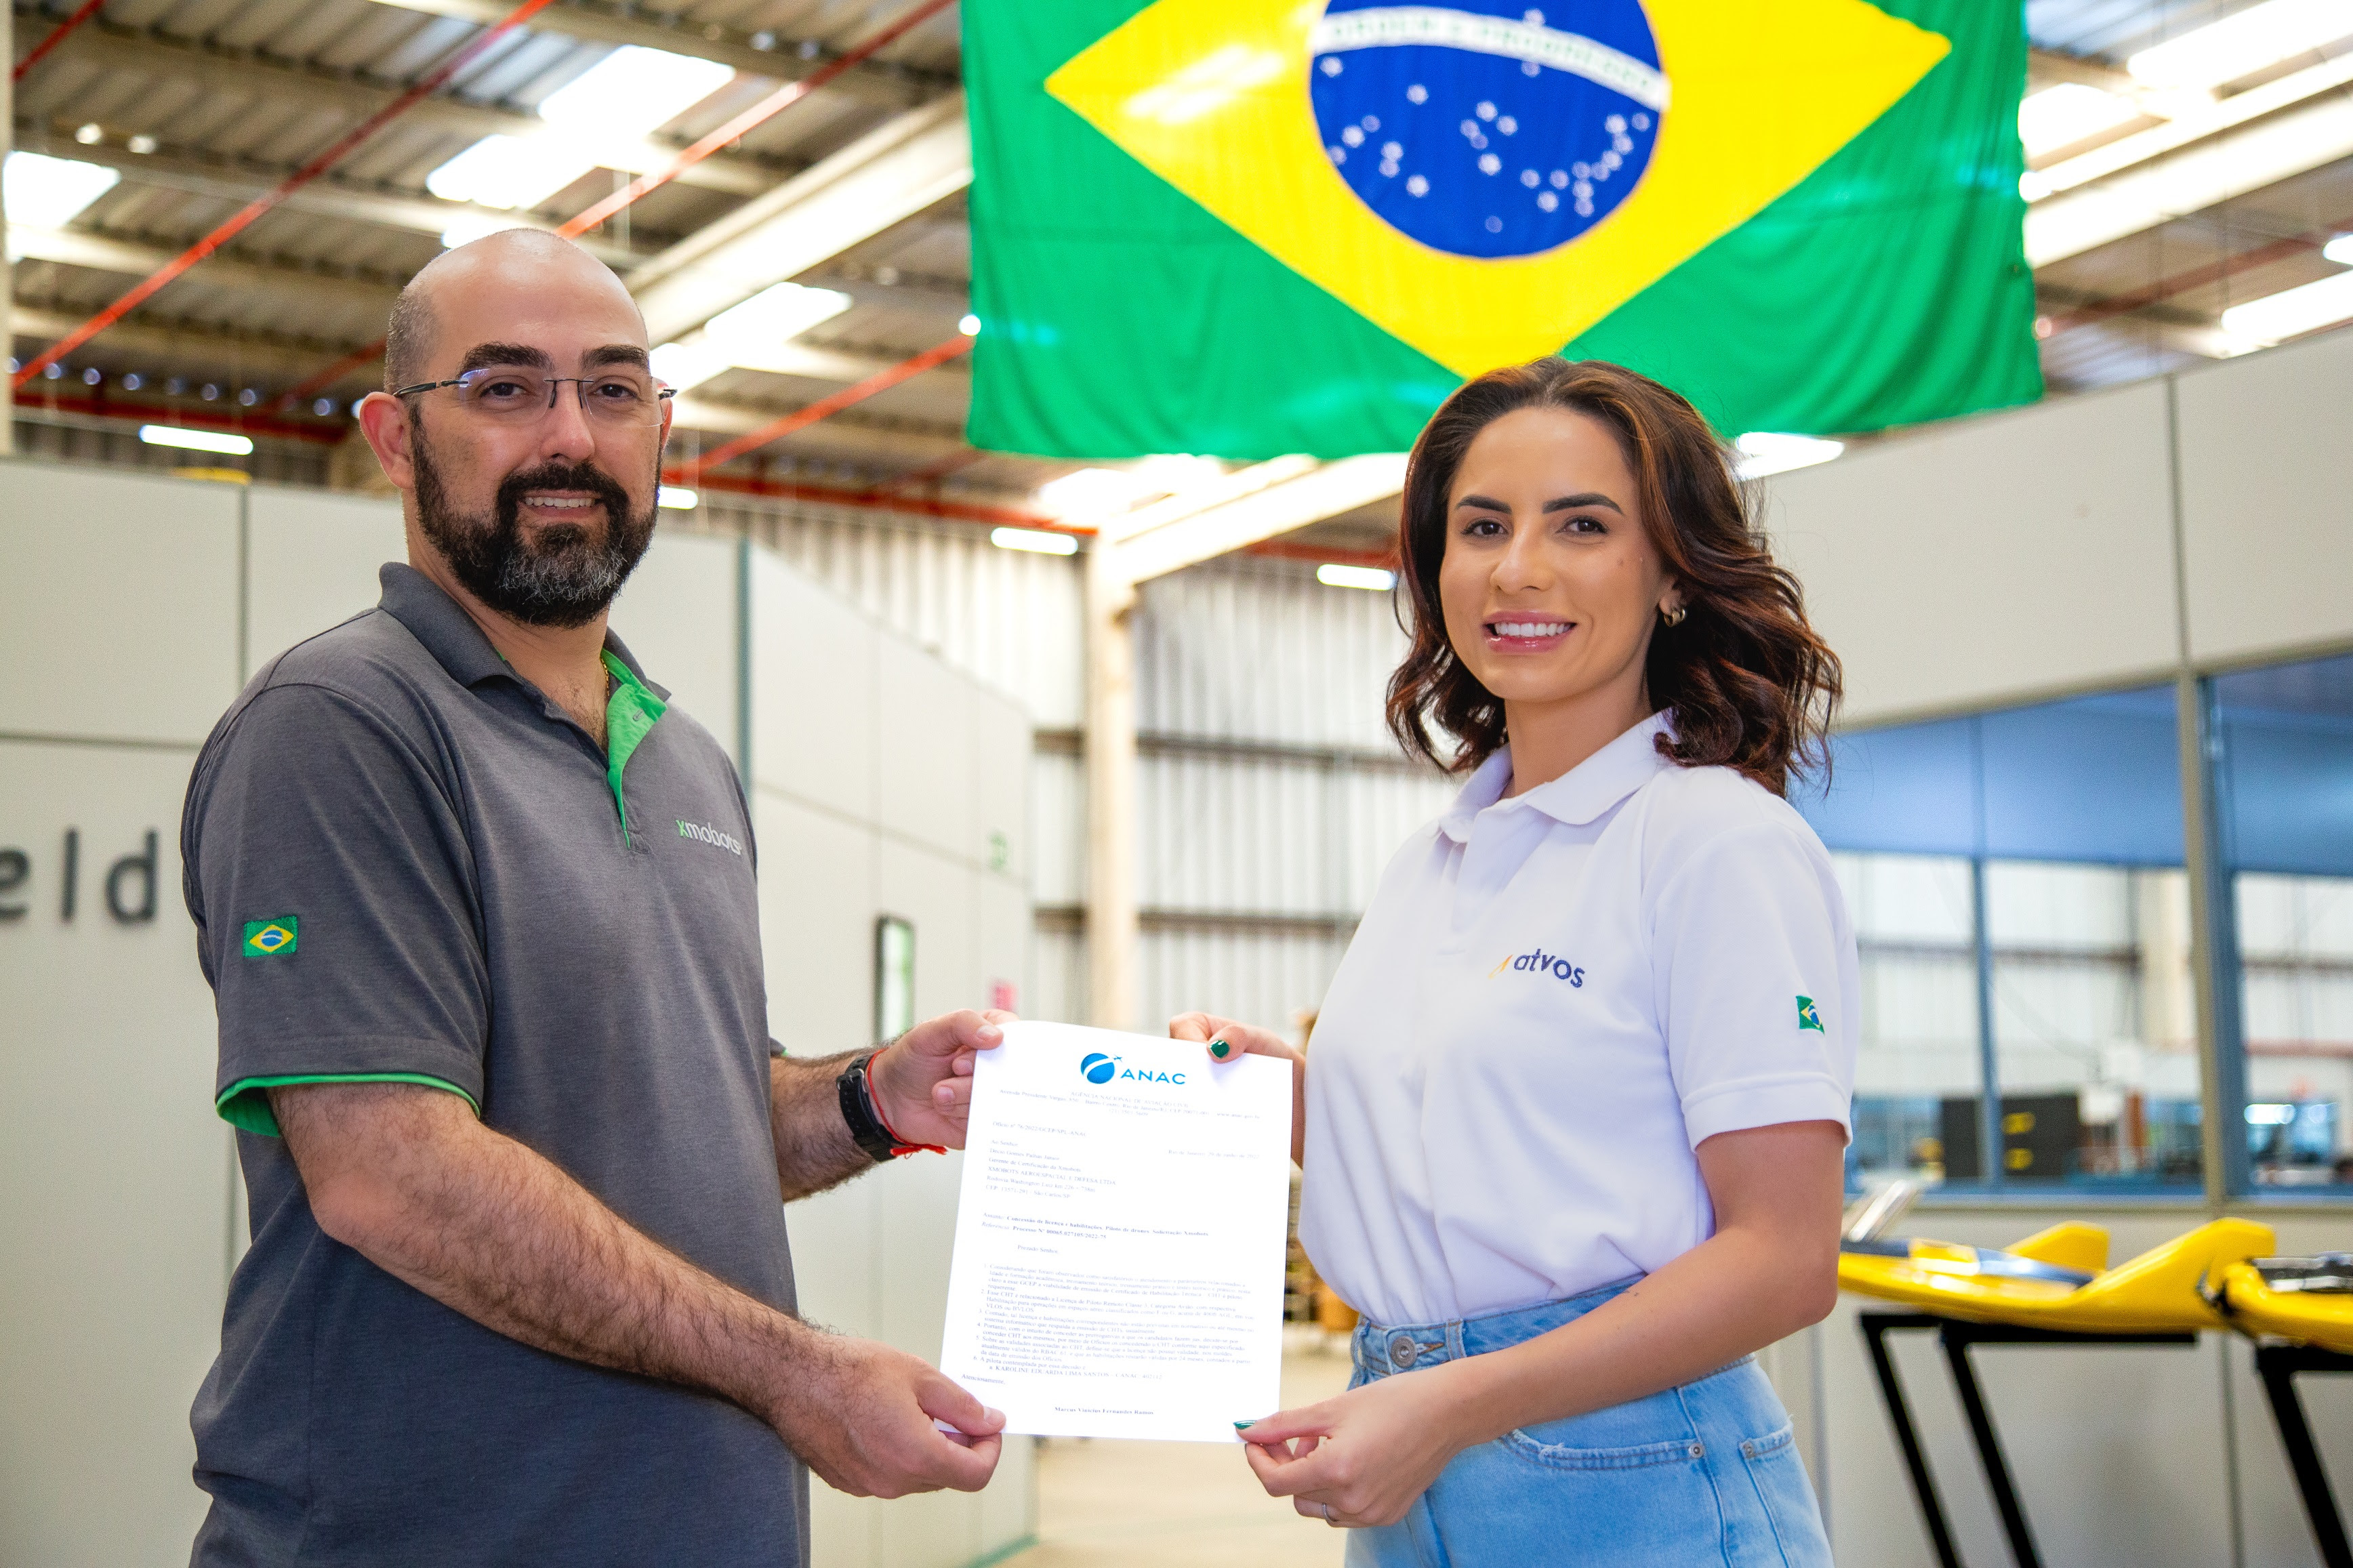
(705,834)
(1539,963)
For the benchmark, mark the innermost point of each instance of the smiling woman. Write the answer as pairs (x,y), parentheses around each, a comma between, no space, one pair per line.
(1574,1127)
(1750,683)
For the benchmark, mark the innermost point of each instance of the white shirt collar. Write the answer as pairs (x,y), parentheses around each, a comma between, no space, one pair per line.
(1578,796)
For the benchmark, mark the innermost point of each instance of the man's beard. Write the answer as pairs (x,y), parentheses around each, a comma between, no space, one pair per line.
(564,578)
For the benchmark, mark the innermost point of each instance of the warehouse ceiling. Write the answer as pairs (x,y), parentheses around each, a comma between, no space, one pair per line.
(2167,205)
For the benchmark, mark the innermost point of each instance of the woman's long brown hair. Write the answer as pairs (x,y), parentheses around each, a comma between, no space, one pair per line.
(1751,685)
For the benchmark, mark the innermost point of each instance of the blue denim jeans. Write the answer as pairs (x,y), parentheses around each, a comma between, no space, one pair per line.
(1707,1473)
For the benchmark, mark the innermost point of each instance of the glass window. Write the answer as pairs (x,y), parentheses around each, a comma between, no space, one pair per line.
(2284,810)
(2016,883)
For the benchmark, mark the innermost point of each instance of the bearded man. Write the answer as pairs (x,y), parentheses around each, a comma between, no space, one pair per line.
(517,1141)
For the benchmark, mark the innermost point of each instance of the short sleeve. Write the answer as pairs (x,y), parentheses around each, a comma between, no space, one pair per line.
(1755,974)
(331,883)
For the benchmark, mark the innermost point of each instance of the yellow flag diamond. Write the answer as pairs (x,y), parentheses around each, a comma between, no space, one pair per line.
(1214,97)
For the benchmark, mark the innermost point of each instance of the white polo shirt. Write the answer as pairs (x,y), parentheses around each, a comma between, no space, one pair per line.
(1552,1000)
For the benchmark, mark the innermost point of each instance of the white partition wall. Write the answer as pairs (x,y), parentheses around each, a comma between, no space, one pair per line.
(880,774)
(2020,551)
(132,610)
(2188,524)
(2268,516)
(118,618)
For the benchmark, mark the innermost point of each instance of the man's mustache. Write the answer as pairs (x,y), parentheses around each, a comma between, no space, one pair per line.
(582,476)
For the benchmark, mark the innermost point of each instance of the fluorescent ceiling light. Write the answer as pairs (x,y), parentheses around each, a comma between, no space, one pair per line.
(2192,179)
(773,317)
(685,364)
(632,90)
(609,106)
(1180,477)
(509,172)
(677,498)
(1764,452)
(474,226)
(754,335)
(2195,125)
(1035,539)
(2277,317)
(42,191)
(1092,492)
(1173,473)
(1331,574)
(1208,85)
(1212,492)
(2065,114)
(1326,491)
(2339,250)
(2242,44)
(196,440)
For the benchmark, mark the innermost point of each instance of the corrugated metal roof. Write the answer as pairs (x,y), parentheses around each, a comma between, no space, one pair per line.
(222,98)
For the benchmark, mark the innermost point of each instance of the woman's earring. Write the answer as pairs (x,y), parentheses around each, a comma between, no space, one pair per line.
(1673,617)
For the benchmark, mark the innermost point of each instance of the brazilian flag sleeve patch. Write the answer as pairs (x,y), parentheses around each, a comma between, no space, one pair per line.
(1806,1017)
(270,939)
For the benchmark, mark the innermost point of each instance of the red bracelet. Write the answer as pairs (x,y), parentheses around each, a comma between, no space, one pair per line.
(899,1147)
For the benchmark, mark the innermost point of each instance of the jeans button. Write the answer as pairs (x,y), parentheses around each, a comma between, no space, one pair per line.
(1403,1350)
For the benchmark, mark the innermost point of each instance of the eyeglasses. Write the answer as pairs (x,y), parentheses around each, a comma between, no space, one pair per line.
(513,394)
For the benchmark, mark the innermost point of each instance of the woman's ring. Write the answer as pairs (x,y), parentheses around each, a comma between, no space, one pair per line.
(1327,1515)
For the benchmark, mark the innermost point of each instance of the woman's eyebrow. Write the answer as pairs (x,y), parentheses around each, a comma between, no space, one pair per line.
(1591,498)
(1483,502)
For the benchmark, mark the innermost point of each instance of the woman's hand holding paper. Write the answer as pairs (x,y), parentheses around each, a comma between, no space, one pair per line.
(1239,1040)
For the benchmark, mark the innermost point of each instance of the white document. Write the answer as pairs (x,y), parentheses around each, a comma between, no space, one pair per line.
(1119,1241)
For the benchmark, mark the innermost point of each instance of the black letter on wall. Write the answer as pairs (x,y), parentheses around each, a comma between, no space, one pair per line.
(14,869)
(73,872)
(143,865)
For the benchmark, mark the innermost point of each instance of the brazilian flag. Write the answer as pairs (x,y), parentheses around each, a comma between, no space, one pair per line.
(1249,227)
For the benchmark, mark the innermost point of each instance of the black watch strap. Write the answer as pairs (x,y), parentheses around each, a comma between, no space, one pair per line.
(866,1129)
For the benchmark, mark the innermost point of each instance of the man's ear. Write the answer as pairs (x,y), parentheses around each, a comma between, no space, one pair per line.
(384,420)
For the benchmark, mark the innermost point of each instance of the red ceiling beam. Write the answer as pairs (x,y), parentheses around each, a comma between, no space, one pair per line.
(2165,289)
(89,8)
(735,130)
(877,500)
(252,211)
(823,409)
(751,118)
(1295,550)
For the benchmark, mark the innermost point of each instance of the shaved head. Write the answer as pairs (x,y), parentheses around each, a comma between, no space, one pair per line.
(524,262)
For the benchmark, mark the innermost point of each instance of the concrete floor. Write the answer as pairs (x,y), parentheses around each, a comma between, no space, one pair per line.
(1106,1504)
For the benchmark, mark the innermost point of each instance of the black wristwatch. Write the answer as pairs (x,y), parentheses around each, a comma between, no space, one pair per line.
(866,1128)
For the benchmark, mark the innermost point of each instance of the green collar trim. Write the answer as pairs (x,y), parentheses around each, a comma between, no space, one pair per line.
(630,714)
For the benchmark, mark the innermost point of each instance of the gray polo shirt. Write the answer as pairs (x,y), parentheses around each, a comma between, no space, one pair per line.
(405,863)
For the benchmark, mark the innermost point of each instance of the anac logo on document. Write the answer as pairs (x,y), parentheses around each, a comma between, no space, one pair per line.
(1097,1068)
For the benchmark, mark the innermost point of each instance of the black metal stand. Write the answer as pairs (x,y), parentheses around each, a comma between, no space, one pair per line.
(2277,1366)
(1957,1337)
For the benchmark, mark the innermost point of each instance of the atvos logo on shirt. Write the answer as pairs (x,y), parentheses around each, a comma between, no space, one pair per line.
(1540,962)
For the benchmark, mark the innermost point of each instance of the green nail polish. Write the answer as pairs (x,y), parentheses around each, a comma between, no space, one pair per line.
(1243,1425)
(1219,1049)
